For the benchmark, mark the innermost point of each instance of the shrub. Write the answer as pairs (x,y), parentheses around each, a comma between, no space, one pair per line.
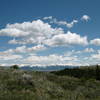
(15,67)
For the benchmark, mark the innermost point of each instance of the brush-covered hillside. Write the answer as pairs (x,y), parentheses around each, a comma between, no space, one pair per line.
(16,84)
(83,72)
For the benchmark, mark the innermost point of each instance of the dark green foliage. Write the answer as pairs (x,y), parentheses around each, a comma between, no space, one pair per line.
(92,72)
(14,67)
(97,72)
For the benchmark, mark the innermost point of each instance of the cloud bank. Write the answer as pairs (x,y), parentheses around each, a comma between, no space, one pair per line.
(42,36)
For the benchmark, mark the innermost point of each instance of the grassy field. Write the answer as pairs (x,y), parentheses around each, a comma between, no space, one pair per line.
(16,84)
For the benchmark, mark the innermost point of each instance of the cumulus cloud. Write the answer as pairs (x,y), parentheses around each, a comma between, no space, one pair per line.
(48,60)
(41,35)
(85,18)
(67,39)
(95,42)
(69,58)
(14,41)
(52,59)
(89,50)
(30,32)
(10,57)
(96,56)
(24,49)
(86,50)
(49,17)
(71,24)
(26,40)
(38,32)
(35,28)
(67,24)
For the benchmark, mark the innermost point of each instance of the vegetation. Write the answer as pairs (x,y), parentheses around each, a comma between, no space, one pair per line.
(91,72)
(14,67)
(32,85)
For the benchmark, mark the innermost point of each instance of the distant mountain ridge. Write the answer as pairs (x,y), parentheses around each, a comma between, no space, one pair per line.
(46,68)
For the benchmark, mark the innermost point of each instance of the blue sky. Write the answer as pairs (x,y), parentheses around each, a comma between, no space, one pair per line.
(49,32)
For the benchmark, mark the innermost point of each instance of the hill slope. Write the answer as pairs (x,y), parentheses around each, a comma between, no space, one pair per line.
(86,72)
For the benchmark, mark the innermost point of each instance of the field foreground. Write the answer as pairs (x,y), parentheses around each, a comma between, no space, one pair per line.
(16,84)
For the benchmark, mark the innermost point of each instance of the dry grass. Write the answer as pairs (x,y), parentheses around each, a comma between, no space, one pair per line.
(30,85)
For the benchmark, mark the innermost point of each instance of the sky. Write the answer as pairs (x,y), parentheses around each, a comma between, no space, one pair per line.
(49,32)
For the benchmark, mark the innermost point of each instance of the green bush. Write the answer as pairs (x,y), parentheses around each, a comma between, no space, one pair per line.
(15,67)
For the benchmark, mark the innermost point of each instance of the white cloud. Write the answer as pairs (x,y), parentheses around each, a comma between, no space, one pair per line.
(41,35)
(14,32)
(25,40)
(69,25)
(67,39)
(48,60)
(24,49)
(33,59)
(10,57)
(69,58)
(38,32)
(33,39)
(66,23)
(96,56)
(95,42)
(14,41)
(35,29)
(85,18)
(89,50)
(49,17)
(98,51)
(30,32)
(81,52)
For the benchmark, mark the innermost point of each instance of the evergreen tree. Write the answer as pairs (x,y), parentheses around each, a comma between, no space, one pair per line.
(97,73)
